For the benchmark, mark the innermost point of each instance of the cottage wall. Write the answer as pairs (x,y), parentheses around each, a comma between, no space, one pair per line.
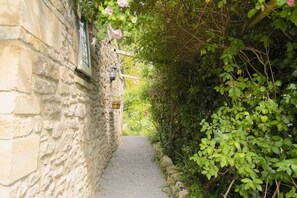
(57,129)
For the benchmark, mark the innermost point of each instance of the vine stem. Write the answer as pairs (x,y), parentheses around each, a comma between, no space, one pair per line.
(224,172)
(276,192)
(229,188)
(293,182)
(271,72)
(266,189)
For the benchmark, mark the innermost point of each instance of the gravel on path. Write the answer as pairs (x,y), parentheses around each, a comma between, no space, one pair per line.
(132,173)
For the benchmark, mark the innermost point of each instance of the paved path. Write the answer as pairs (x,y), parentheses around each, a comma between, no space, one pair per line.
(132,173)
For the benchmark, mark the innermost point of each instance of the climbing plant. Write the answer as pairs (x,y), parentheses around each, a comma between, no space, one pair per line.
(112,15)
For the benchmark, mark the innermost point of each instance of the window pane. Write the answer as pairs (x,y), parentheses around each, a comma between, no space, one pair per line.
(84,44)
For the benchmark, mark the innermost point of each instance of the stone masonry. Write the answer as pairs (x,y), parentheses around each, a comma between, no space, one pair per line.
(57,128)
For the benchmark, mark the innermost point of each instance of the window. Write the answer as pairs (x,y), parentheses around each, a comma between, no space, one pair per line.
(84,58)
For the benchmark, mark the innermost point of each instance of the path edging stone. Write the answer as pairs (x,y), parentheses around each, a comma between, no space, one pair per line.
(175,188)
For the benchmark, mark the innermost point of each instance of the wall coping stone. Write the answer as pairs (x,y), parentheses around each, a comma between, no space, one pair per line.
(56,13)
(10,32)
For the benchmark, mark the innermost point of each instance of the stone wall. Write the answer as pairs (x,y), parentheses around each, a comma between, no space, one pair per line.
(57,130)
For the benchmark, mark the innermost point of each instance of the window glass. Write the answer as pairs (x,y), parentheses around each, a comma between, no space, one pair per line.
(84,63)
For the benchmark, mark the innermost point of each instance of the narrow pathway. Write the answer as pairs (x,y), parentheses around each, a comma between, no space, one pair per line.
(132,172)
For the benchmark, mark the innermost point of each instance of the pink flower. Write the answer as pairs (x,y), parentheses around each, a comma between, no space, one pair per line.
(93,41)
(117,34)
(108,10)
(123,3)
(290,3)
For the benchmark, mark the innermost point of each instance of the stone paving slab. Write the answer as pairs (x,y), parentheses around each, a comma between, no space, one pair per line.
(132,173)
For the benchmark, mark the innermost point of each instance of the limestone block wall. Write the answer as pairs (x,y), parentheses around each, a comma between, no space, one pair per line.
(57,130)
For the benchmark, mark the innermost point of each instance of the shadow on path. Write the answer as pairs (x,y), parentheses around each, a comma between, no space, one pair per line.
(132,172)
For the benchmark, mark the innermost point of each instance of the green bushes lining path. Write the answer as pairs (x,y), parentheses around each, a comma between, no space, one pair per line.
(223,91)
(225,94)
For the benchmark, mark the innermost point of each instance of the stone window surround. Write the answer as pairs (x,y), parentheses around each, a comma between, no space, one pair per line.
(79,79)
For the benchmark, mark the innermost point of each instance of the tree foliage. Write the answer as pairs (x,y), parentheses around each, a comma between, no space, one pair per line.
(224,92)
(137,116)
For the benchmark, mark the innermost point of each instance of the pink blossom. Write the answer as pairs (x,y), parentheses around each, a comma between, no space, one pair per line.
(123,3)
(290,3)
(108,10)
(117,34)
(94,40)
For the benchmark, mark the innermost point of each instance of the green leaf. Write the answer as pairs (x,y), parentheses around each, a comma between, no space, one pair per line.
(101,35)
(293,17)
(281,2)
(275,149)
(122,17)
(252,12)
(288,142)
(264,119)
(274,122)
(259,187)
(246,180)
(223,161)
(292,193)
(278,83)
(279,143)
(262,89)
(220,4)
(237,145)
(294,168)
(100,8)
(234,92)
(265,40)
(226,76)
(289,171)
(258,181)
(134,20)
(279,127)
(203,51)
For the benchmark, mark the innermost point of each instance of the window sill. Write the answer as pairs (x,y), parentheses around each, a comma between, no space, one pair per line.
(83,83)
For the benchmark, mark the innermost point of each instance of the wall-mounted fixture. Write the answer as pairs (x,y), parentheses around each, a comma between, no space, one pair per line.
(116,104)
(112,73)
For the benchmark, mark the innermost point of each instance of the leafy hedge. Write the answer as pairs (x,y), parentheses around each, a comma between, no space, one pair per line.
(225,93)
